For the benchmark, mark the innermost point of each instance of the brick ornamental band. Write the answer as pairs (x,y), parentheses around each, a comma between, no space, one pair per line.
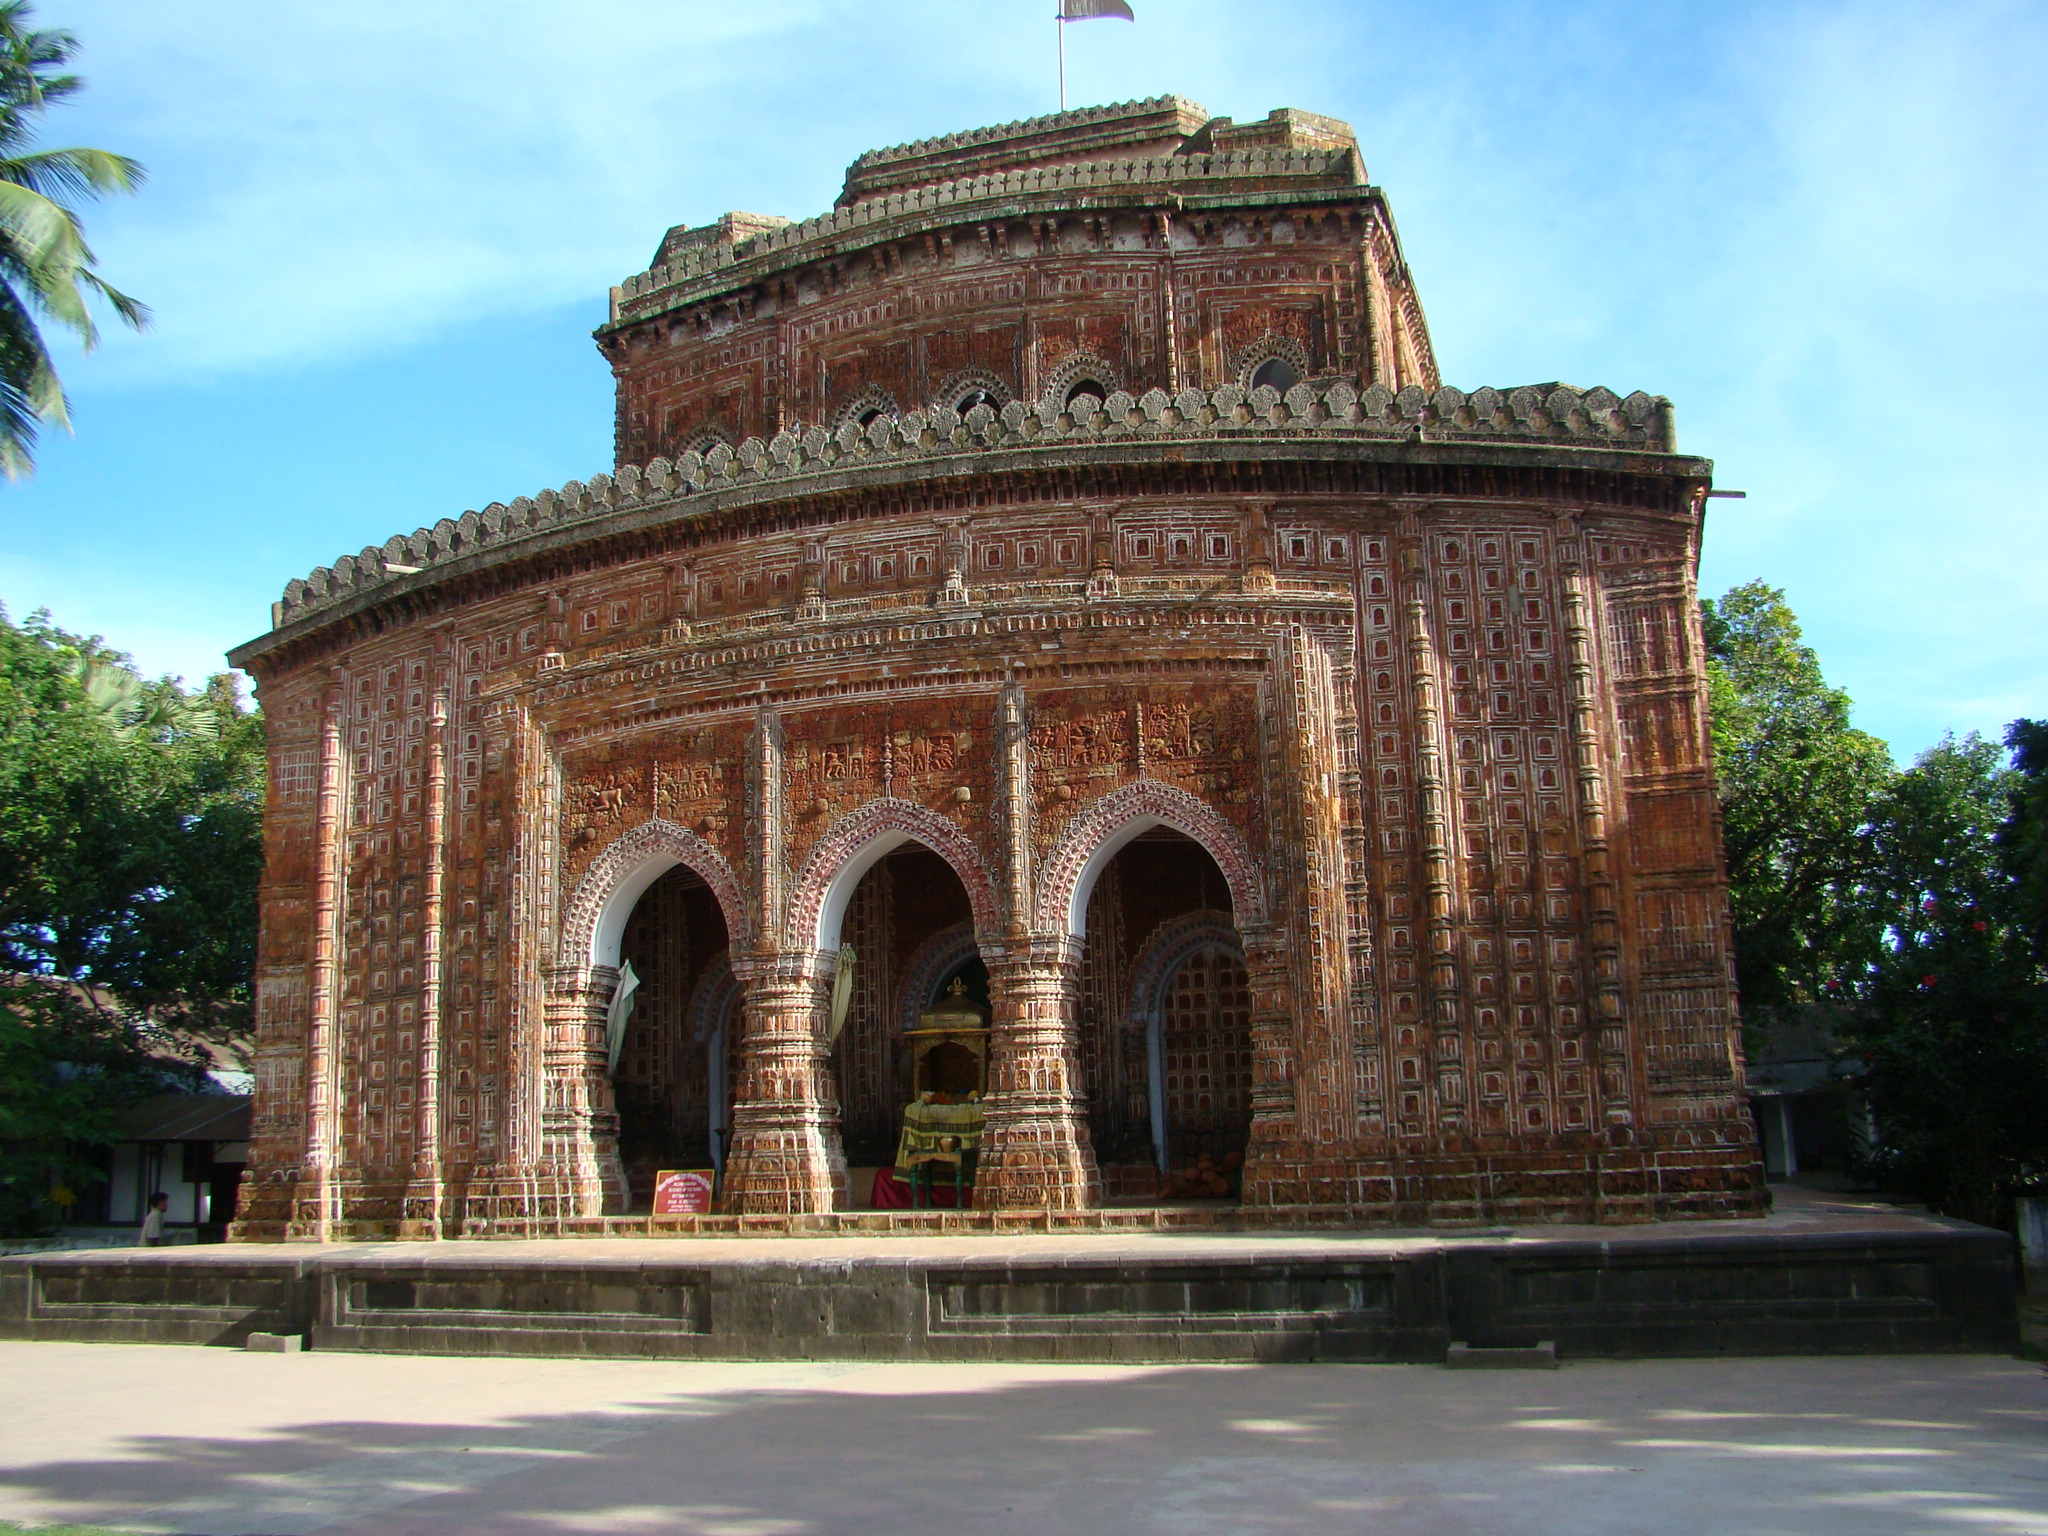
(1055,580)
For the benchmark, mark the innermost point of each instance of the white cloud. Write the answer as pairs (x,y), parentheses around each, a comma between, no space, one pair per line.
(333,178)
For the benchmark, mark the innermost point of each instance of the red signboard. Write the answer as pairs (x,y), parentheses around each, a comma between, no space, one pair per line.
(682,1192)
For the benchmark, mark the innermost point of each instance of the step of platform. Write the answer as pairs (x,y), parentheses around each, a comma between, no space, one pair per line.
(1818,1279)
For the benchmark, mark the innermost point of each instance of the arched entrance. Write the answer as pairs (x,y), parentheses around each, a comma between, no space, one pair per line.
(672,1082)
(678,896)
(1163,1001)
(909,925)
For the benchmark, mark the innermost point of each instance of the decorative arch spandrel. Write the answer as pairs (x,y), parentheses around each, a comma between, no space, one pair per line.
(1100,828)
(594,918)
(851,845)
(935,756)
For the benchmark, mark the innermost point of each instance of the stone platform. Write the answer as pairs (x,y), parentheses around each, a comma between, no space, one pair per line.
(1821,1274)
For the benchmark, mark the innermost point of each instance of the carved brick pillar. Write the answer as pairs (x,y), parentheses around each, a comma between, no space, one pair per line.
(313,1195)
(785,1157)
(1035,1151)
(579,1174)
(424,1195)
(1272,1175)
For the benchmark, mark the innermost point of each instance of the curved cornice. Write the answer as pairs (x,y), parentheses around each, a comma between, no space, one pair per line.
(1244,177)
(1544,427)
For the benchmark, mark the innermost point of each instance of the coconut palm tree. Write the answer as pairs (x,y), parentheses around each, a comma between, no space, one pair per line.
(46,268)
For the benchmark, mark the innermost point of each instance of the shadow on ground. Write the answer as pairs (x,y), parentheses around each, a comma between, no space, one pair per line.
(1867,1446)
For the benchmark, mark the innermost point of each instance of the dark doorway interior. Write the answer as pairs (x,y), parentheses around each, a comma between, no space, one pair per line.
(666,1078)
(1192,1023)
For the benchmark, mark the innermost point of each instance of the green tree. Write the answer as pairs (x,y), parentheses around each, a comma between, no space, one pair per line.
(130,849)
(69,1072)
(2023,840)
(1948,1023)
(130,831)
(1798,786)
(46,267)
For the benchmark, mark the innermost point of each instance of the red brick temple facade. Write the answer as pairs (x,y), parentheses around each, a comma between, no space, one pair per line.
(1058,571)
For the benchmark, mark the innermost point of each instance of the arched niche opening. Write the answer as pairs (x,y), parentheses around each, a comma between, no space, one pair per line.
(1164,1016)
(1278,373)
(910,927)
(678,1057)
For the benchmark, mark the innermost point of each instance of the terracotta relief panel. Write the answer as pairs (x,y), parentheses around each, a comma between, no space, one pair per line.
(1109,336)
(1203,739)
(1301,321)
(694,778)
(936,754)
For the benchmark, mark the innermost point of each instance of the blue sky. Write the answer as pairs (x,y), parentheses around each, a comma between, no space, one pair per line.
(377,236)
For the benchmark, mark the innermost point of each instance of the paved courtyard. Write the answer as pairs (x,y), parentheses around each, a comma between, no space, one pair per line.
(165,1439)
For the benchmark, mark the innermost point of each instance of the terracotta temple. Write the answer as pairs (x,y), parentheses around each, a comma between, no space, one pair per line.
(1056,585)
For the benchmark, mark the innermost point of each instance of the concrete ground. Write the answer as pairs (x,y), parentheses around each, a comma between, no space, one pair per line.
(165,1439)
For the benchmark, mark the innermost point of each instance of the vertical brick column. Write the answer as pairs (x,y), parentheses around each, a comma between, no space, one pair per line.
(785,1157)
(1273,1162)
(423,1212)
(1035,1151)
(312,1209)
(579,1174)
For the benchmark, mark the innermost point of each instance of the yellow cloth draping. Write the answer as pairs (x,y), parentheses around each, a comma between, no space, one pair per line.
(938,1133)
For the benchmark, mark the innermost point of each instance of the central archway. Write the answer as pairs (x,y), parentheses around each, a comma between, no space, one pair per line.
(907,893)
(855,843)
(594,921)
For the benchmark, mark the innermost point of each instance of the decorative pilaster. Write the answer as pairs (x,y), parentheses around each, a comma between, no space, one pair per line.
(1326,1101)
(1102,577)
(1433,802)
(313,1203)
(786,1158)
(1013,770)
(1258,548)
(422,1213)
(1269,1175)
(580,1173)
(1603,918)
(1035,1149)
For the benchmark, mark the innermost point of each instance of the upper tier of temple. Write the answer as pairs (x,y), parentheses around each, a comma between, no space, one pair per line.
(1133,130)
(1142,246)
(1167,142)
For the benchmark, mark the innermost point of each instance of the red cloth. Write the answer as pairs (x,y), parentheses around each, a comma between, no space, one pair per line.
(892,1191)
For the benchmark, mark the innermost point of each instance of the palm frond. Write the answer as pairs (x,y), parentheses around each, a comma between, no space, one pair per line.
(46,267)
(45,240)
(73,173)
(133,312)
(40,229)
(30,393)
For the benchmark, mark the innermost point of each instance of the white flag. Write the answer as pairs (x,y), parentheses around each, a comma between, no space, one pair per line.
(616,1016)
(842,992)
(1092,10)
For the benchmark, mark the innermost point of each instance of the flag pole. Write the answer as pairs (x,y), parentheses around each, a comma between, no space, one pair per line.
(1059,26)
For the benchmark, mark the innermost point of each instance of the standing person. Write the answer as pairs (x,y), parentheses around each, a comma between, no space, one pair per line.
(153,1223)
